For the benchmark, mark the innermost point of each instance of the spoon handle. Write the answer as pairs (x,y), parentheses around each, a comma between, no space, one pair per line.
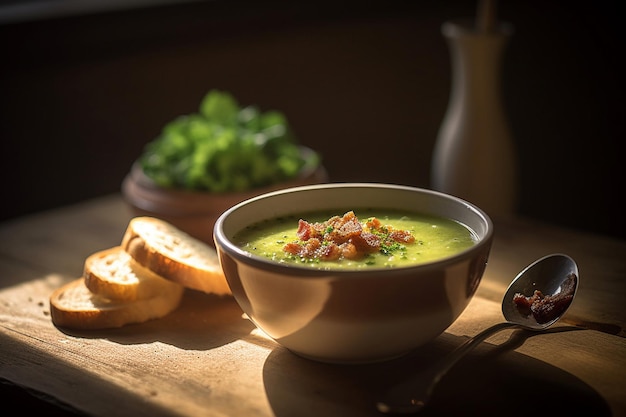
(411,396)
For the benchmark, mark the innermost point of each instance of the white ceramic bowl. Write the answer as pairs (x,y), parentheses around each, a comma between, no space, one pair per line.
(352,316)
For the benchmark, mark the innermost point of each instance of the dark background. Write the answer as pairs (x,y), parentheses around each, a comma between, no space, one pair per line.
(366,83)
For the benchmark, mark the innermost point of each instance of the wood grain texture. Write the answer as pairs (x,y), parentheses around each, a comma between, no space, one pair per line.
(207,359)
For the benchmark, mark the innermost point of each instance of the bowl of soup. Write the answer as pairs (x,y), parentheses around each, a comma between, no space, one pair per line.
(353,272)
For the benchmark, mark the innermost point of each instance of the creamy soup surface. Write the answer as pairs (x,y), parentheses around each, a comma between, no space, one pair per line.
(434,238)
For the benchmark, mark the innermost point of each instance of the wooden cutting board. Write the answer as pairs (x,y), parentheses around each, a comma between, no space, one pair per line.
(207,359)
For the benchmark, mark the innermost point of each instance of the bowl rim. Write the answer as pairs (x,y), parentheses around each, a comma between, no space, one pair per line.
(222,242)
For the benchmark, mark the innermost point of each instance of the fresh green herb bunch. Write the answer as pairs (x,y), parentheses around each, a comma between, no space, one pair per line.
(224,148)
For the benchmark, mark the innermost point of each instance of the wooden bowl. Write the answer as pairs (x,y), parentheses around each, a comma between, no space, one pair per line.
(195,212)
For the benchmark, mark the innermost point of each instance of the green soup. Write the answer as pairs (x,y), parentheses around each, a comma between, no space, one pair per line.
(435,238)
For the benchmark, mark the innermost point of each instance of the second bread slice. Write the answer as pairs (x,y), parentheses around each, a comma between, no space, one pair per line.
(174,255)
(114,274)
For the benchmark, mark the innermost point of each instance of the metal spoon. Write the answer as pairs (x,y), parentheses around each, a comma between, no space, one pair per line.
(548,275)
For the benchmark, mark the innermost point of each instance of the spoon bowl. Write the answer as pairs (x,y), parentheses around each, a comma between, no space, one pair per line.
(544,289)
(547,275)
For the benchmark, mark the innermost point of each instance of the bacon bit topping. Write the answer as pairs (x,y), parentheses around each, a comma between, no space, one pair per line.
(545,308)
(346,237)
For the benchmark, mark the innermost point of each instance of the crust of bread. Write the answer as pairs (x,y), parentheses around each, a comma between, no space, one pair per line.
(174,255)
(114,274)
(74,306)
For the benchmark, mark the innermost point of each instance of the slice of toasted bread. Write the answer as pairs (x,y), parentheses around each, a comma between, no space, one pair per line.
(174,255)
(74,306)
(112,273)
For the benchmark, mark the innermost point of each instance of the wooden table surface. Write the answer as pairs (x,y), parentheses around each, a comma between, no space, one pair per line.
(206,359)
